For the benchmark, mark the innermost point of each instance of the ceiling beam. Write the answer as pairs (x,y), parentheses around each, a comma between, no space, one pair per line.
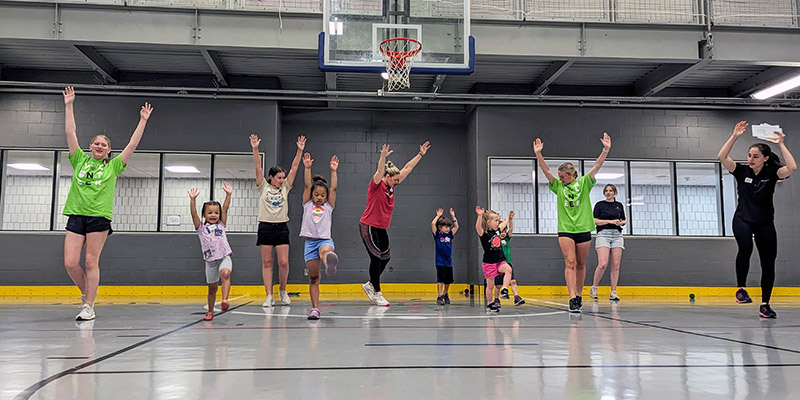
(437,83)
(213,61)
(99,63)
(763,79)
(664,76)
(330,85)
(549,75)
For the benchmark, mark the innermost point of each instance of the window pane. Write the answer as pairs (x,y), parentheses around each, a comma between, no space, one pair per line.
(698,199)
(239,172)
(181,173)
(27,195)
(511,188)
(728,199)
(612,172)
(548,214)
(651,199)
(136,197)
(65,171)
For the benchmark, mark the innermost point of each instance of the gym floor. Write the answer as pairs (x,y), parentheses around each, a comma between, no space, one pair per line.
(159,348)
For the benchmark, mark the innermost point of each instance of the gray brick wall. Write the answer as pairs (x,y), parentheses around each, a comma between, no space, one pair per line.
(453,174)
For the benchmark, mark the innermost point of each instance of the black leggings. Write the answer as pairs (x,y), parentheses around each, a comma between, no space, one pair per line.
(376,240)
(767,242)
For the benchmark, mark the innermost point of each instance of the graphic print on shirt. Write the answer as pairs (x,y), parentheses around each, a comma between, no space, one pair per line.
(274,198)
(91,174)
(495,241)
(572,199)
(444,239)
(214,228)
(316,213)
(389,192)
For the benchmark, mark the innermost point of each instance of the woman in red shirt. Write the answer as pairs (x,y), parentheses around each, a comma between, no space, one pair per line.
(378,215)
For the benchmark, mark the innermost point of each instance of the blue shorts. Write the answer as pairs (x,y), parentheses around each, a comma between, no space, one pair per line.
(610,238)
(313,246)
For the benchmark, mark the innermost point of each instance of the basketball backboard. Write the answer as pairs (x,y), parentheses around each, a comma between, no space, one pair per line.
(354,29)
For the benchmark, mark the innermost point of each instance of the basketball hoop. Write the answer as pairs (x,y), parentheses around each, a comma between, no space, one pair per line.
(398,55)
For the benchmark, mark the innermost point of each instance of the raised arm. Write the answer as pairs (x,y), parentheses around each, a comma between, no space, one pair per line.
(606,141)
(307,161)
(69,120)
(227,203)
(724,152)
(254,143)
(334,181)
(193,193)
(385,152)
(510,222)
(455,221)
(144,115)
(537,149)
(423,149)
(503,224)
(301,144)
(436,217)
(791,165)
(479,221)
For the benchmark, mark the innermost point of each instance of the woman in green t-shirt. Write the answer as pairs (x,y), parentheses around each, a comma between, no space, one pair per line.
(90,202)
(575,218)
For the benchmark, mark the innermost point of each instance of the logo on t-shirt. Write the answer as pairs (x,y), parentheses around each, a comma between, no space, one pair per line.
(495,241)
(444,239)
(316,213)
(275,199)
(571,200)
(389,192)
(90,174)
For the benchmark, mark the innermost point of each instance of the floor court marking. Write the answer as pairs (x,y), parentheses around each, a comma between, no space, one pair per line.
(421,316)
(30,390)
(424,367)
(671,329)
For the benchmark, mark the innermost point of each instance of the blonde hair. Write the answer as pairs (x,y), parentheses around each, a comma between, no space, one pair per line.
(391,169)
(568,168)
(487,215)
(108,141)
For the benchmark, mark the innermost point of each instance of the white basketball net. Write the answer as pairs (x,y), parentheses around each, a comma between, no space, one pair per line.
(398,56)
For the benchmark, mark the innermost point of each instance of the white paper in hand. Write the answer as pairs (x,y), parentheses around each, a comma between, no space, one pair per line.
(767,132)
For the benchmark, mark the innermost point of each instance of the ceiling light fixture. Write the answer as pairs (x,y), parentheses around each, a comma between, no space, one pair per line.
(777,88)
(182,169)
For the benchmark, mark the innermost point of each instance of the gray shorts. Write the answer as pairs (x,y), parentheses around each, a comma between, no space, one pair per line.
(213,268)
(610,238)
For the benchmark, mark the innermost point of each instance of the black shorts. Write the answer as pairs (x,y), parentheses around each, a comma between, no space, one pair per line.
(82,224)
(498,280)
(578,238)
(444,274)
(272,234)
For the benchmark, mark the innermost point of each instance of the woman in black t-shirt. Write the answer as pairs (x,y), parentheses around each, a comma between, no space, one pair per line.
(755,213)
(609,218)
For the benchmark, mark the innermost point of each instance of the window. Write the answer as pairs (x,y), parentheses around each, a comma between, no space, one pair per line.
(183,172)
(613,172)
(136,197)
(511,185)
(548,213)
(698,199)
(27,195)
(651,198)
(728,200)
(238,170)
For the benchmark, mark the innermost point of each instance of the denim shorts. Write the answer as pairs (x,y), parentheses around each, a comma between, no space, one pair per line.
(610,238)
(312,246)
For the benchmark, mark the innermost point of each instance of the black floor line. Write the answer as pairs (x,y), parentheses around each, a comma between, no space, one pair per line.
(412,367)
(666,328)
(30,390)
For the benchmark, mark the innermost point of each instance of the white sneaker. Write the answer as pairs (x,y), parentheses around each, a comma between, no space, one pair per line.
(285,300)
(613,296)
(86,314)
(593,292)
(269,302)
(370,291)
(380,300)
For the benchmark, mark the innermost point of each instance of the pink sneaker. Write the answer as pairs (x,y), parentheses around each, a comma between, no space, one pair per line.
(313,314)
(331,260)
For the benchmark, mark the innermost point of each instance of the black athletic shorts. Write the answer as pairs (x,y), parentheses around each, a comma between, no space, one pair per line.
(444,274)
(272,234)
(82,224)
(578,238)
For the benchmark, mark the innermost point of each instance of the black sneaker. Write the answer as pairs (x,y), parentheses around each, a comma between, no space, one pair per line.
(743,297)
(573,305)
(440,300)
(446,298)
(504,293)
(492,308)
(765,311)
(580,302)
(518,301)
(496,303)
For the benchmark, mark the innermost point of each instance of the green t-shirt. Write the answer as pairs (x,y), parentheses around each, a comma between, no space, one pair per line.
(93,182)
(574,205)
(504,243)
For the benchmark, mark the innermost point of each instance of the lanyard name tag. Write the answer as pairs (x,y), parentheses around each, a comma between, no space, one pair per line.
(748,180)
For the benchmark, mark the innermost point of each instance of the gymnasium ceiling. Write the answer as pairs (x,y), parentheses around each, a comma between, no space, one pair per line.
(633,68)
